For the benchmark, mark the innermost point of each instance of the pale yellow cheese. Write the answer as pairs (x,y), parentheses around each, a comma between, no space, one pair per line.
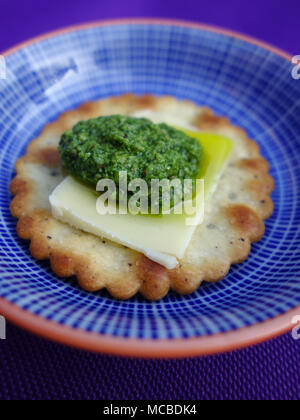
(161,238)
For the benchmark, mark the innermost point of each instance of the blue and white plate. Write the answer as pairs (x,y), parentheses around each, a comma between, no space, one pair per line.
(255,85)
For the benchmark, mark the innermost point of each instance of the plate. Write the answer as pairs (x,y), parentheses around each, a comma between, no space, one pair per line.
(244,79)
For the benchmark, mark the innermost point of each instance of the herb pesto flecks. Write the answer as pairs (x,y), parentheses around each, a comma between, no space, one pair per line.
(102,147)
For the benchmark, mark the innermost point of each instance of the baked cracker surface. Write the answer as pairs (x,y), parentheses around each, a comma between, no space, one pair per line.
(233,218)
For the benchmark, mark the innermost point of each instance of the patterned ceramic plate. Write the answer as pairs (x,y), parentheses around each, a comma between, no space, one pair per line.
(247,81)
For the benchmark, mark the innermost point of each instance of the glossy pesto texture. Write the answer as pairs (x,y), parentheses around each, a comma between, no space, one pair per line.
(102,147)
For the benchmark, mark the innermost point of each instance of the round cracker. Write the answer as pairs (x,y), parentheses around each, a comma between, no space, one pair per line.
(233,218)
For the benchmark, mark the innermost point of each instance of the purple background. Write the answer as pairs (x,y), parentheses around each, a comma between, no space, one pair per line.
(274,21)
(33,368)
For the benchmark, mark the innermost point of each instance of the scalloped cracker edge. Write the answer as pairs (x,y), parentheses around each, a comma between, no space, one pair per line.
(233,219)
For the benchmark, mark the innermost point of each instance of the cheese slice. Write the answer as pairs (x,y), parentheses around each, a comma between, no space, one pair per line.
(164,238)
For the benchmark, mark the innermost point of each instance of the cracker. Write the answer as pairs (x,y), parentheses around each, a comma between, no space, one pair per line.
(233,218)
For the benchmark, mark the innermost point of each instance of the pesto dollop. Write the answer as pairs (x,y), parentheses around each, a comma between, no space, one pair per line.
(102,147)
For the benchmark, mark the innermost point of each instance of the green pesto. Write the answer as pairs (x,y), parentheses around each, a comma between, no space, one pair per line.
(101,147)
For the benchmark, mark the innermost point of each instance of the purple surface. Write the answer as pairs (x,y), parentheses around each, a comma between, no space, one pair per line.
(33,368)
(273,21)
